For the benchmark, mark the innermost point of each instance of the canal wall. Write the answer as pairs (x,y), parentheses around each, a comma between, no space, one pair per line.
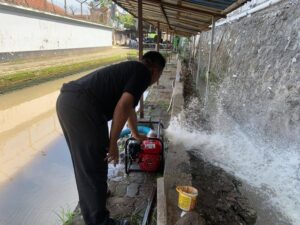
(255,72)
(26,32)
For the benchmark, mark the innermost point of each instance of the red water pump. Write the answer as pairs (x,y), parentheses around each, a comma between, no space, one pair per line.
(147,155)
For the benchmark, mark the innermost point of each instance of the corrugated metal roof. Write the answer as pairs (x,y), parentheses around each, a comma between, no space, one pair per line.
(183,17)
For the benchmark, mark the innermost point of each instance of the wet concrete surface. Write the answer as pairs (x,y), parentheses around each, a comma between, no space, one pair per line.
(219,198)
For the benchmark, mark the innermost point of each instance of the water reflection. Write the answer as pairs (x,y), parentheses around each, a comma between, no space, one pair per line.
(28,125)
(26,129)
(20,145)
(36,174)
(41,189)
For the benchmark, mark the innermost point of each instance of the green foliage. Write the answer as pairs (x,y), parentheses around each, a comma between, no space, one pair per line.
(126,20)
(23,78)
(65,216)
(212,77)
(183,49)
(166,54)
(101,3)
(133,55)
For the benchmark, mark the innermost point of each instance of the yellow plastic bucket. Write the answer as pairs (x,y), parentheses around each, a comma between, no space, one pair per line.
(187,197)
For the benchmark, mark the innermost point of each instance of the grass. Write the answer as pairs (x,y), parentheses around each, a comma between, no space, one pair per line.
(135,219)
(65,216)
(22,78)
(212,77)
(163,104)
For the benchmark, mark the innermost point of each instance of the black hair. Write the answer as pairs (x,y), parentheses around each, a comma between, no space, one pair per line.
(154,57)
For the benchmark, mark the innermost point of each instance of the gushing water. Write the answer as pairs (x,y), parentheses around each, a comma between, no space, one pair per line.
(273,171)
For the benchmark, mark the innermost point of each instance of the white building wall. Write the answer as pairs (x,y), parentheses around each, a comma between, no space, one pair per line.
(30,30)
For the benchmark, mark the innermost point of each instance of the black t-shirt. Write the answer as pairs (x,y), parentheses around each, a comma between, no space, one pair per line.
(108,84)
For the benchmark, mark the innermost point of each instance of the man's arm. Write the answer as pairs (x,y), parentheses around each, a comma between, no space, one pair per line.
(132,124)
(122,111)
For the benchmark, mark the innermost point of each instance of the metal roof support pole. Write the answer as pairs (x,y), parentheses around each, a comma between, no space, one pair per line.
(167,48)
(211,47)
(167,35)
(190,51)
(140,27)
(199,58)
(192,43)
(158,36)
(158,40)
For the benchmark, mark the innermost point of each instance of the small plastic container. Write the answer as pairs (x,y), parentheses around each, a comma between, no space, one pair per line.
(187,197)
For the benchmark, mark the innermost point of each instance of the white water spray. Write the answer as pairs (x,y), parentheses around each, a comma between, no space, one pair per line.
(273,171)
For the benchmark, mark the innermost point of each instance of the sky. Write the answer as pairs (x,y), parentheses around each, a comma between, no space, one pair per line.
(73,3)
(76,5)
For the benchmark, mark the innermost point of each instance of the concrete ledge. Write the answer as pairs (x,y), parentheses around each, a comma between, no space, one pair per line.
(161,202)
(177,97)
(26,55)
(177,165)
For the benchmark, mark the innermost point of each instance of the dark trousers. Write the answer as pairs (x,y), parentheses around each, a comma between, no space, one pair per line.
(86,133)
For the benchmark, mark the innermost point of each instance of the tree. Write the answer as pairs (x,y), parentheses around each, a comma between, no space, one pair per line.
(104,3)
(126,20)
(99,11)
(81,2)
(73,10)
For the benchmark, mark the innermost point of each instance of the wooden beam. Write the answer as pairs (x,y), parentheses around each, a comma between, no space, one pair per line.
(168,8)
(190,22)
(198,28)
(195,17)
(183,33)
(180,22)
(187,28)
(178,13)
(186,8)
(158,41)
(165,15)
(158,36)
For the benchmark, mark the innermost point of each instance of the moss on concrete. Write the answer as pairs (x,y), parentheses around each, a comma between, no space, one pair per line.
(30,77)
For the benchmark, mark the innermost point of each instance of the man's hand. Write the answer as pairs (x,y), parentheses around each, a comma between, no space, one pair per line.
(132,124)
(113,154)
(121,114)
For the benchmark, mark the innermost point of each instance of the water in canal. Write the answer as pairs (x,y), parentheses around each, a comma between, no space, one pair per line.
(36,174)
